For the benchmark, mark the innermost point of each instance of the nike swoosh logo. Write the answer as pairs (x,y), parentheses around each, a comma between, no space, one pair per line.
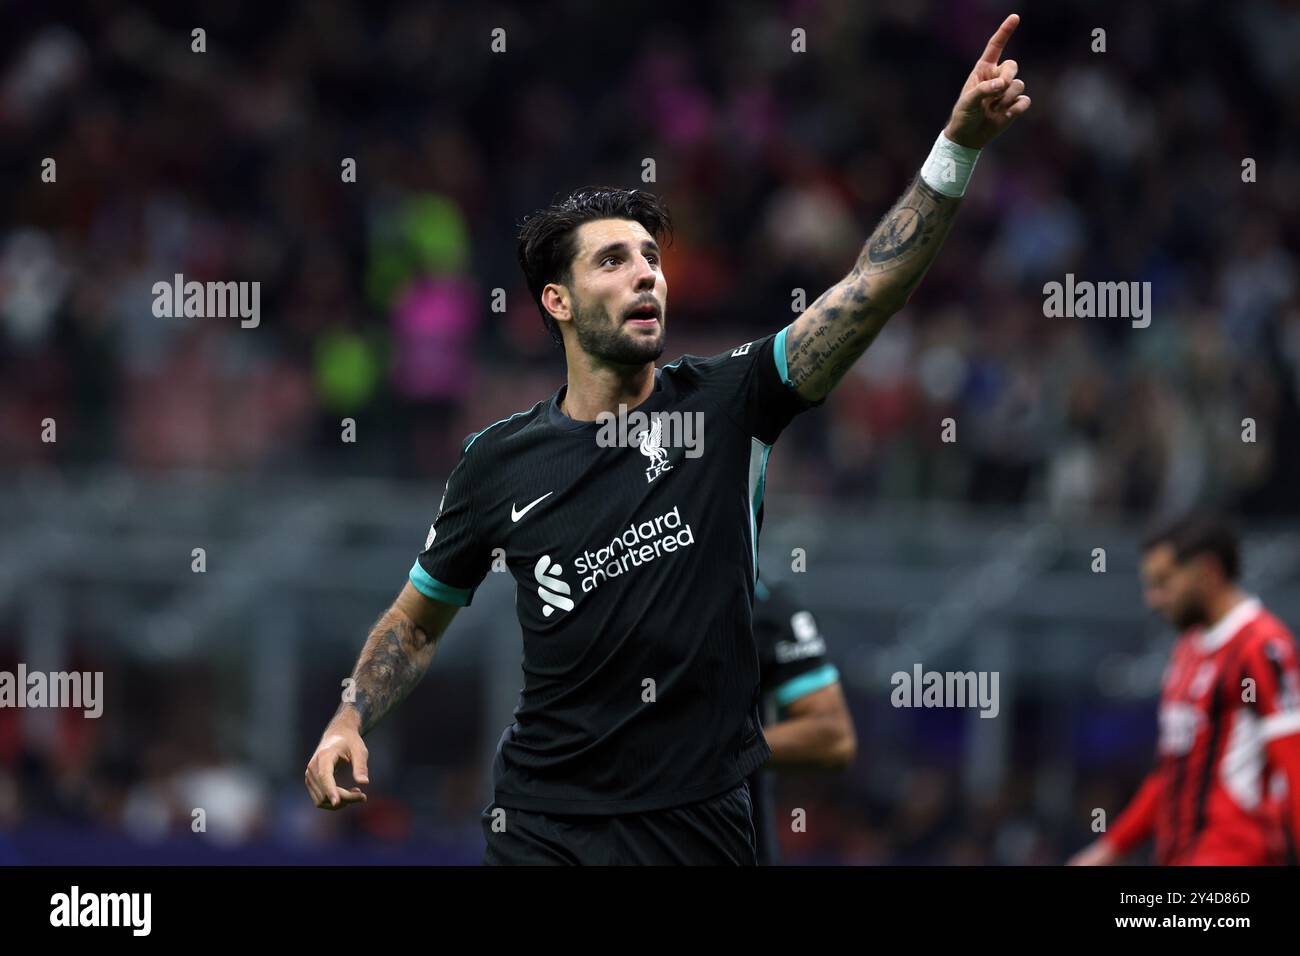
(516,513)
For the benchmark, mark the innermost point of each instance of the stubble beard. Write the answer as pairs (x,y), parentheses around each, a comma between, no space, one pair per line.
(602,337)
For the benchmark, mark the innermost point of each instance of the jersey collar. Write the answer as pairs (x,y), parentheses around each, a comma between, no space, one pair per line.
(565,423)
(1226,628)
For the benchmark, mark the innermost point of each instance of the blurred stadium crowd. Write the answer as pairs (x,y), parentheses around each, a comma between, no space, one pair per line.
(376,295)
(123,790)
(226,166)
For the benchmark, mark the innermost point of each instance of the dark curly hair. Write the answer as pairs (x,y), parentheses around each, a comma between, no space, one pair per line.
(1199,533)
(548,237)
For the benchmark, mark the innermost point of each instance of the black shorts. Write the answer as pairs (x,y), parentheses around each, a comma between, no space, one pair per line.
(716,832)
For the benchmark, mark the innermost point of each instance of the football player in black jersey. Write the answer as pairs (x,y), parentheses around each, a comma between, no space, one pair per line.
(625,505)
(805,718)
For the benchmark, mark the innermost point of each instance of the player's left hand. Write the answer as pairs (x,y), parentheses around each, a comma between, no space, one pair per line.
(992,97)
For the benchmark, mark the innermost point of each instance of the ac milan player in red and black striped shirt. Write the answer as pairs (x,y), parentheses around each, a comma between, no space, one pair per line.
(1226,786)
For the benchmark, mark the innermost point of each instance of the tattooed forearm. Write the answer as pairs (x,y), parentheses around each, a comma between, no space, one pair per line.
(396,655)
(834,331)
(909,236)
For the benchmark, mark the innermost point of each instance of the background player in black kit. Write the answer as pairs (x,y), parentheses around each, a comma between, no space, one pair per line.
(805,719)
(635,562)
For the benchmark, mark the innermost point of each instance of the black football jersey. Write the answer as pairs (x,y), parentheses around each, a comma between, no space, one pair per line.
(634,549)
(792,663)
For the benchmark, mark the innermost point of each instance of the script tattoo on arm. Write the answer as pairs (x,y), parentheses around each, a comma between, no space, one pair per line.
(831,334)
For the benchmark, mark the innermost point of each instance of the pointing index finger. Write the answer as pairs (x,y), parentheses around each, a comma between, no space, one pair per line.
(998,42)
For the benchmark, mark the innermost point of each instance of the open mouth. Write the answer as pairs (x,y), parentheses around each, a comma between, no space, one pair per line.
(644,315)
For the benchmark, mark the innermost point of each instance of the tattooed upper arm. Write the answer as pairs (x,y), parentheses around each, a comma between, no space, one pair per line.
(825,341)
(430,614)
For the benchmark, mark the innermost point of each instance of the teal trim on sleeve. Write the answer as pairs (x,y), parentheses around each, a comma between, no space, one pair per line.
(431,587)
(473,438)
(778,353)
(805,684)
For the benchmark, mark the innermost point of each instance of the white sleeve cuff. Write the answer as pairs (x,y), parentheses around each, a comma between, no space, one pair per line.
(1280,725)
(949,166)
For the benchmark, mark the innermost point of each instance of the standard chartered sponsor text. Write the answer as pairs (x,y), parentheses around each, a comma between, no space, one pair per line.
(640,543)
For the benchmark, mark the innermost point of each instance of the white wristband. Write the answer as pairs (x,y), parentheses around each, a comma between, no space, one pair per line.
(949,166)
